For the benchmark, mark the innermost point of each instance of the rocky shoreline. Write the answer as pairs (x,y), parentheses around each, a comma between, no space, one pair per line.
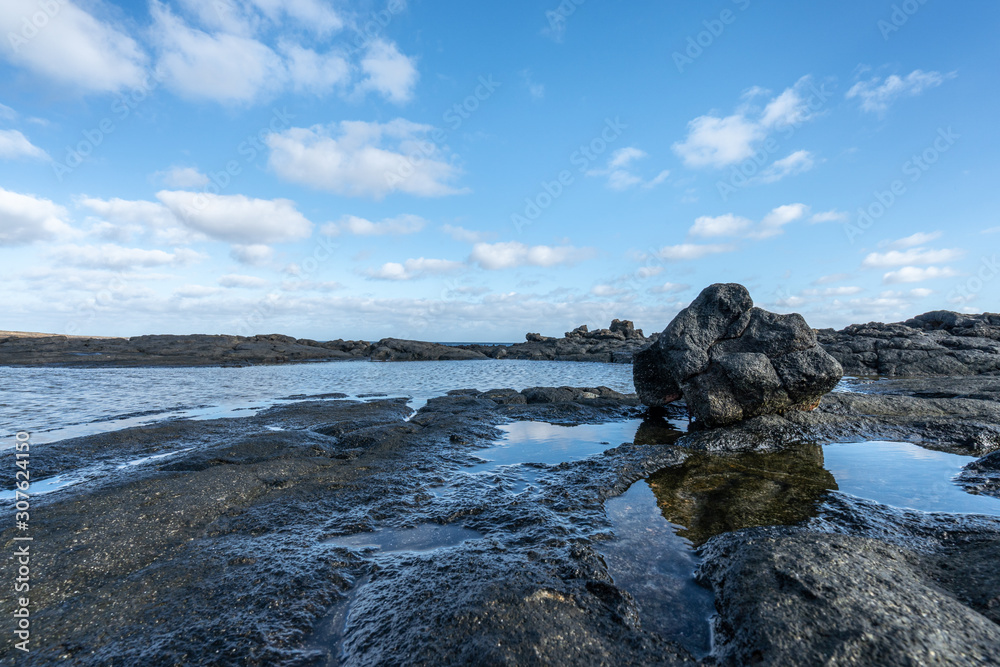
(235,549)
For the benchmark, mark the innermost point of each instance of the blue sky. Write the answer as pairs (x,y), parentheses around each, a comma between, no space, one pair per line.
(473,171)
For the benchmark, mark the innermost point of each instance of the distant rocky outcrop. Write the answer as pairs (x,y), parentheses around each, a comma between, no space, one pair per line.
(165,350)
(395,349)
(731,361)
(938,343)
(616,344)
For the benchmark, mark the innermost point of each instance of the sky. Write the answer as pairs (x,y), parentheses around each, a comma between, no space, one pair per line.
(472,171)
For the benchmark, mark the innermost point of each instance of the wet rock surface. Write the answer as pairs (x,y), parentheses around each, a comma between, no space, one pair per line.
(936,343)
(246,545)
(731,361)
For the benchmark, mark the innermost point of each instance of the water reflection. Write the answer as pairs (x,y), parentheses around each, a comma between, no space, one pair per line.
(709,494)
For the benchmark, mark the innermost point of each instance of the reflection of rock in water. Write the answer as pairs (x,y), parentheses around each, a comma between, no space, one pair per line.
(655,430)
(712,494)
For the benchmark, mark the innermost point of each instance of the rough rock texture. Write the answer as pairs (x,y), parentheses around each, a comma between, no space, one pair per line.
(395,349)
(18,349)
(731,361)
(982,476)
(936,343)
(616,344)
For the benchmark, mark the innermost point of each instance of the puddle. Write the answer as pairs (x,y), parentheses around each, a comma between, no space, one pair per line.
(709,494)
(906,476)
(155,457)
(655,565)
(425,537)
(43,486)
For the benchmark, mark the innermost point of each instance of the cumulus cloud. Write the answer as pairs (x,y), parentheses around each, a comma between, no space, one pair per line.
(111,256)
(913,274)
(877,95)
(74,48)
(620,175)
(878,260)
(14,145)
(236,218)
(465,235)
(123,218)
(388,71)
(644,272)
(912,241)
(834,291)
(722,225)
(26,218)
(774,222)
(829,216)
(513,254)
(414,268)
(253,254)
(607,291)
(797,163)
(182,177)
(714,141)
(235,280)
(350,224)
(360,159)
(670,288)
(312,72)
(686,251)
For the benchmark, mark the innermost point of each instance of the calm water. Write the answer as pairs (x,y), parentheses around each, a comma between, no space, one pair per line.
(55,403)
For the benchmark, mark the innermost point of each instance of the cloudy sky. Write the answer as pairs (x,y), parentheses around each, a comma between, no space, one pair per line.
(470,171)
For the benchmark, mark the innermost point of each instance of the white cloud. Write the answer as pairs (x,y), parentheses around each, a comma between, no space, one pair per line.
(774,222)
(111,256)
(362,159)
(670,288)
(26,218)
(222,67)
(414,268)
(991,230)
(879,260)
(648,271)
(15,145)
(714,141)
(607,291)
(921,292)
(129,217)
(6,113)
(913,274)
(310,286)
(829,216)
(912,241)
(237,280)
(314,15)
(833,291)
(686,251)
(797,163)
(195,291)
(182,177)
(722,225)
(465,235)
(389,72)
(620,177)
(236,218)
(313,72)
(74,48)
(513,254)
(401,224)
(252,255)
(877,95)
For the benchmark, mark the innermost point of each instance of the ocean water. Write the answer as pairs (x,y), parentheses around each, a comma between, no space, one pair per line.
(57,403)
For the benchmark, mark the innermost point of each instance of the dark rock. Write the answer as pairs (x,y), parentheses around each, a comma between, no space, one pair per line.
(939,343)
(982,476)
(731,361)
(394,349)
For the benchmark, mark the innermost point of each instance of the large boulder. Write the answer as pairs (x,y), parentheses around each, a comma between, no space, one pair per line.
(731,361)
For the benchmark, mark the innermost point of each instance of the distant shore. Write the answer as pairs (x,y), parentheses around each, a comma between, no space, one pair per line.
(935,343)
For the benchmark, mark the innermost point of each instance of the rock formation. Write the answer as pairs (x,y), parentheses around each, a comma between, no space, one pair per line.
(731,361)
